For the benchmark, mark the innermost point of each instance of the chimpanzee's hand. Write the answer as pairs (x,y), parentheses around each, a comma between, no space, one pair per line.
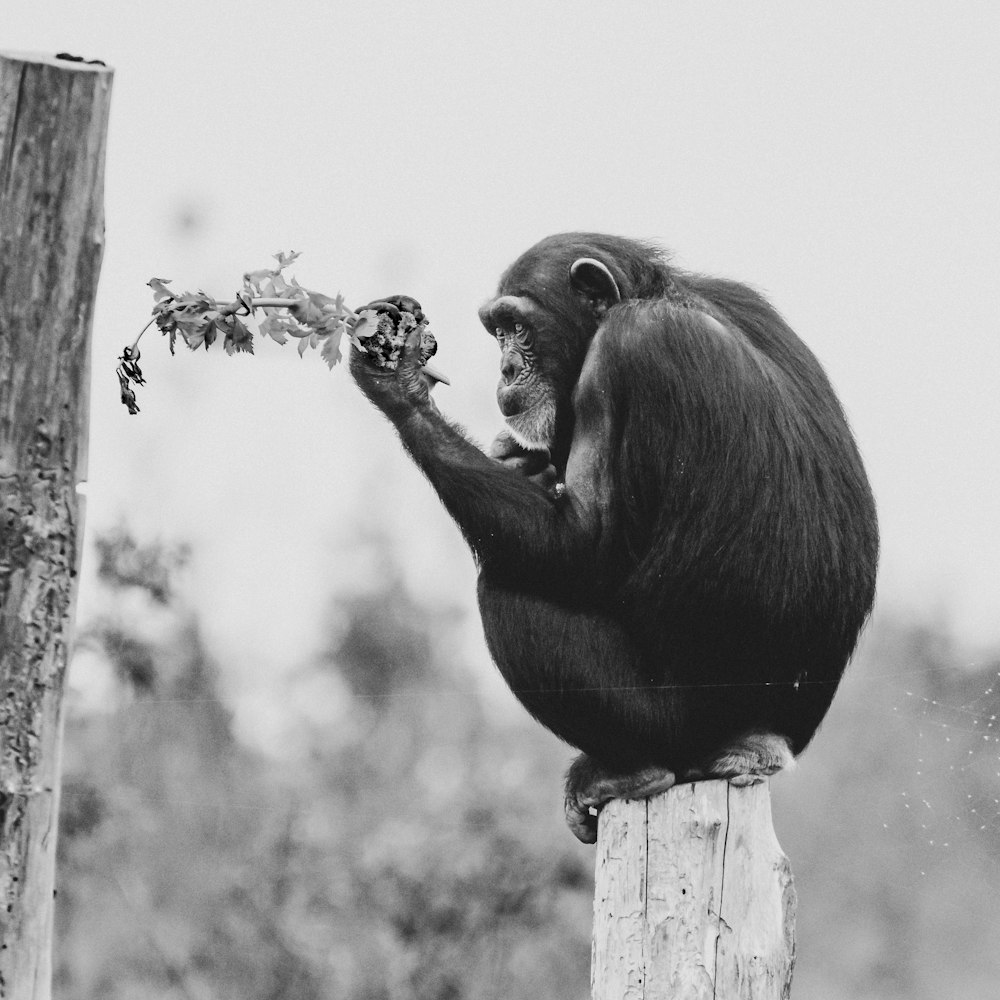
(533,465)
(407,384)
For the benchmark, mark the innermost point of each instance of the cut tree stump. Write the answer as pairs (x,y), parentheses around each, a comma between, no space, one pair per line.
(693,898)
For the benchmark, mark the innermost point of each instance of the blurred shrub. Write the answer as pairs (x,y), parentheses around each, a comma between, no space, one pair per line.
(390,866)
(424,856)
(123,562)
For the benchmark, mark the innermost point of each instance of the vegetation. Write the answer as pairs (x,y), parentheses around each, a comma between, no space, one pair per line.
(422,855)
(416,850)
(288,310)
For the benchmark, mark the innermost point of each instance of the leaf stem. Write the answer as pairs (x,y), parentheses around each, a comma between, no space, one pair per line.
(274,303)
(135,342)
(350,316)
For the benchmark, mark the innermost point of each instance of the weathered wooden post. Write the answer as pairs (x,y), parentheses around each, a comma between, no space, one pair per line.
(53,122)
(693,898)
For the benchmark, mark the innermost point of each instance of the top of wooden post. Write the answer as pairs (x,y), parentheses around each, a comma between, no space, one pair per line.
(693,897)
(44,59)
(53,132)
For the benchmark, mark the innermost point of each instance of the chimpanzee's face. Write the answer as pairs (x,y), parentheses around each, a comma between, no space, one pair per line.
(527,392)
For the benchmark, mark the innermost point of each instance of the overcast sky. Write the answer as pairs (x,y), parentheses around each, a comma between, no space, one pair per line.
(841,157)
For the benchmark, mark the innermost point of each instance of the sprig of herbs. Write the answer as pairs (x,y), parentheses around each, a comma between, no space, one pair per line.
(288,311)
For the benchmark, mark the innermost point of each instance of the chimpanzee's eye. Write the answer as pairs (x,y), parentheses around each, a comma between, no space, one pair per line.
(510,328)
(523,334)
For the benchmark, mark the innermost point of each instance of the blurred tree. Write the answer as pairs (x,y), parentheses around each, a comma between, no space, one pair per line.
(385,642)
(386,866)
(122,562)
(167,821)
(421,854)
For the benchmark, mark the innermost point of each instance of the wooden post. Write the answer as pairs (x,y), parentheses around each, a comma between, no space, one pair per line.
(53,121)
(694,898)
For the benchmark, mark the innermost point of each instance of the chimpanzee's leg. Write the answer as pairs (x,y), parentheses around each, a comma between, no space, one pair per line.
(589,786)
(751,758)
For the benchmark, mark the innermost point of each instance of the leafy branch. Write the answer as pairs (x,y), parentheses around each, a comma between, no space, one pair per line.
(313,319)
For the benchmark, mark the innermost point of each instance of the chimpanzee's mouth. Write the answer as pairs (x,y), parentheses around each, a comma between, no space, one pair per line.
(533,428)
(511,405)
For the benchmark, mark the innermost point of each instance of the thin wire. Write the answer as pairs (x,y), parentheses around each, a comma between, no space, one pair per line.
(440,690)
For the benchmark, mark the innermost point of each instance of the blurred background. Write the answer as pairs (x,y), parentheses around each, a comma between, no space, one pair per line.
(291,770)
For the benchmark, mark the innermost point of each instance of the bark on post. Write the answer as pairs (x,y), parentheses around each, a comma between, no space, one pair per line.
(53,122)
(694,898)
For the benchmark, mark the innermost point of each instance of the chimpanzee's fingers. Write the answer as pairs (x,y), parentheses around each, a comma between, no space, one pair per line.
(394,305)
(408,304)
(503,446)
(409,358)
(410,372)
(382,306)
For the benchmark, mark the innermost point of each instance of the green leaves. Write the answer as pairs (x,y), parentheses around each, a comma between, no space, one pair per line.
(288,309)
(238,339)
(330,351)
(281,309)
(278,327)
(129,372)
(160,290)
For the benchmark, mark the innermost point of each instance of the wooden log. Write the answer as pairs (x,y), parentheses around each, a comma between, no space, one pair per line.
(693,898)
(53,123)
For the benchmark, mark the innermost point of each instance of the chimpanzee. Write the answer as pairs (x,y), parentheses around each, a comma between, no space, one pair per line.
(675,535)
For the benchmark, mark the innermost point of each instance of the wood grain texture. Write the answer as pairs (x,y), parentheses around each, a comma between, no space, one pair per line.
(693,898)
(53,123)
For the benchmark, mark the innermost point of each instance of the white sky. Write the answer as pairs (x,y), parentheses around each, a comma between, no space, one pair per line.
(841,157)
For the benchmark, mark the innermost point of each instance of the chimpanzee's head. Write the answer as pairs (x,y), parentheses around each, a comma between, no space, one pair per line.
(548,306)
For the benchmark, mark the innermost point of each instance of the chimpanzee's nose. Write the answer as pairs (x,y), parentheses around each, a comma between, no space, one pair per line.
(511,367)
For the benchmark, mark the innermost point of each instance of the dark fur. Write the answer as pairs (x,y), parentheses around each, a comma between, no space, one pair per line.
(710,565)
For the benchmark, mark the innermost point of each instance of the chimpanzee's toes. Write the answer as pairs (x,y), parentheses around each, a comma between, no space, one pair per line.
(581,821)
(589,786)
(748,760)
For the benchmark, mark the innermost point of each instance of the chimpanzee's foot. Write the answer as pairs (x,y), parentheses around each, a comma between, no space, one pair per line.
(750,759)
(589,786)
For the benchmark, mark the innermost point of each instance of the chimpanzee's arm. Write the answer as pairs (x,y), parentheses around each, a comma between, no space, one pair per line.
(510,523)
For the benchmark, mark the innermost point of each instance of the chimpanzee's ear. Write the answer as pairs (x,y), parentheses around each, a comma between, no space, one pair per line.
(592,280)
